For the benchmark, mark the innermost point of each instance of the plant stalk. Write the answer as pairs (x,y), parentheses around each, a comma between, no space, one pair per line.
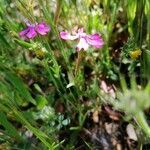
(140,118)
(78,63)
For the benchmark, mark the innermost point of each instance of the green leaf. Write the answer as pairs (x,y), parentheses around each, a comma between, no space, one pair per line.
(41,101)
(131,9)
(46,140)
(23,43)
(147,7)
(10,129)
(19,85)
(66,122)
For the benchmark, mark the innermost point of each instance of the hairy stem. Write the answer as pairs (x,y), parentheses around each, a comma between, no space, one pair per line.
(140,118)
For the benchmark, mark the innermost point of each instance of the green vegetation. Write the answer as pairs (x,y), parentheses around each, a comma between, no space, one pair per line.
(55,97)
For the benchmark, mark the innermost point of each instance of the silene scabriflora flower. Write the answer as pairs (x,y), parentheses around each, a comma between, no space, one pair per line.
(33,30)
(85,40)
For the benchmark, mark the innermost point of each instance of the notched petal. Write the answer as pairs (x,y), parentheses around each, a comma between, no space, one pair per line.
(95,40)
(31,33)
(23,33)
(82,45)
(67,36)
(42,28)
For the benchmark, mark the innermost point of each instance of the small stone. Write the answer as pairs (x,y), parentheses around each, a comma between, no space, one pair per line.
(95,116)
(131,132)
(118,147)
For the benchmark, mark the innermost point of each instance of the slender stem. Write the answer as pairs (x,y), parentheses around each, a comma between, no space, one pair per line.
(140,118)
(78,63)
(58,10)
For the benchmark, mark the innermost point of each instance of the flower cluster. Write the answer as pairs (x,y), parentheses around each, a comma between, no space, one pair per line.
(33,30)
(85,40)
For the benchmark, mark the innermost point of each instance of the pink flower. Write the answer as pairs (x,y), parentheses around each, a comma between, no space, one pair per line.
(85,40)
(33,29)
(42,28)
(28,33)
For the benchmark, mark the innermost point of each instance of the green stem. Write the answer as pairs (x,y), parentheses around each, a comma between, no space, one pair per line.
(78,63)
(58,10)
(140,118)
(48,142)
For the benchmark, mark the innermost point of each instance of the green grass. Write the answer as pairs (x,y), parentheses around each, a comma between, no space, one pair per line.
(42,85)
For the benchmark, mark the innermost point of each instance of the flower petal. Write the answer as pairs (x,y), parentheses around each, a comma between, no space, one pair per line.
(68,36)
(23,33)
(80,31)
(95,40)
(31,33)
(42,28)
(82,45)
